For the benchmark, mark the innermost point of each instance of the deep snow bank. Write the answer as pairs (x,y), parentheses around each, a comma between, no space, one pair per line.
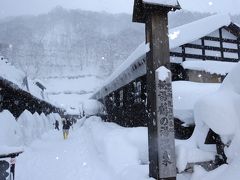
(10,134)
(124,149)
(221,110)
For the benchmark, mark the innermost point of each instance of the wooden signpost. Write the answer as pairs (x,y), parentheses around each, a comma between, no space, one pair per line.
(154,13)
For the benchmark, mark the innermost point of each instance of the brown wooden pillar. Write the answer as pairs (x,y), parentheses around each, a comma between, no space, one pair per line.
(155,16)
(159,55)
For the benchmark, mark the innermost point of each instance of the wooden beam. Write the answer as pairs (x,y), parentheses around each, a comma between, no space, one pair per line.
(209,38)
(183,53)
(211,48)
(201,57)
(203,47)
(221,43)
(239,48)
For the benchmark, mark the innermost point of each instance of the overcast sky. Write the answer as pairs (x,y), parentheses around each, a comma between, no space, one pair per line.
(20,7)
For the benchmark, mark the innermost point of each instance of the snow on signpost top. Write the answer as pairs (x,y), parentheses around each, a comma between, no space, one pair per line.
(162,2)
(163,73)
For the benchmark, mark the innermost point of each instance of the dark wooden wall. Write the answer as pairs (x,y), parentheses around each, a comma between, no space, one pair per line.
(16,101)
(225,45)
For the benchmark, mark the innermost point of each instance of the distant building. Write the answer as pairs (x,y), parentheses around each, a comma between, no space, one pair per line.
(18,92)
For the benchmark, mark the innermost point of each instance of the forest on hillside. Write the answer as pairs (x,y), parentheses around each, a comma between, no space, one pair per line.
(71,42)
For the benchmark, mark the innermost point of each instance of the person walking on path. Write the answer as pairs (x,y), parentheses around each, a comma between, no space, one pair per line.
(66,127)
(57,125)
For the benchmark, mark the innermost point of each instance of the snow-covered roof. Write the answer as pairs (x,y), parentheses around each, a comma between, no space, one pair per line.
(177,36)
(213,67)
(162,2)
(9,72)
(190,32)
(19,79)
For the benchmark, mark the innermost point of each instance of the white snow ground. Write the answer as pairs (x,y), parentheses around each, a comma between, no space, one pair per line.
(95,151)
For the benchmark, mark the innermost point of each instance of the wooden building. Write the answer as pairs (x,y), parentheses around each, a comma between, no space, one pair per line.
(18,93)
(124,92)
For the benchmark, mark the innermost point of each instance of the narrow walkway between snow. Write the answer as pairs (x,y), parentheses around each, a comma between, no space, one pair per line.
(52,158)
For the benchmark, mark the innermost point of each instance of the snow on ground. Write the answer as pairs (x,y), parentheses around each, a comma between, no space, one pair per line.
(96,150)
(103,151)
(10,134)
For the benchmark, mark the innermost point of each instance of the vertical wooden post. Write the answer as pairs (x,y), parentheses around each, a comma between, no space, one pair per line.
(159,55)
(221,44)
(152,131)
(238,44)
(154,15)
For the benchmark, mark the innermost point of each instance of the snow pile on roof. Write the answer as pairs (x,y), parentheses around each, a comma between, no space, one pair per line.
(141,50)
(213,67)
(162,2)
(10,134)
(4,150)
(9,72)
(190,32)
(19,79)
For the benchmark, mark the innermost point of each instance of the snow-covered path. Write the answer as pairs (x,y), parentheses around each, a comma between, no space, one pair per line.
(52,158)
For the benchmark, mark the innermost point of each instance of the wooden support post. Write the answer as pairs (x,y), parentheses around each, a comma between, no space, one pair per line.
(238,44)
(155,16)
(221,44)
(156,36)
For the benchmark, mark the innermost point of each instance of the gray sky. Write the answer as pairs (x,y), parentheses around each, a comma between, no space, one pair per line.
(20,7)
